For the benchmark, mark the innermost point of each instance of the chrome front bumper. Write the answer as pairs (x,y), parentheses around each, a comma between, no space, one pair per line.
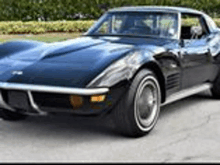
(41,88)
(53,89)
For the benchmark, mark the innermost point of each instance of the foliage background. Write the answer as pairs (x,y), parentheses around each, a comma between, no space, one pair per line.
(46,16)
(51,10)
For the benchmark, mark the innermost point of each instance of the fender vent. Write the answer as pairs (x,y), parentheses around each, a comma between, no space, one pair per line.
(173,81)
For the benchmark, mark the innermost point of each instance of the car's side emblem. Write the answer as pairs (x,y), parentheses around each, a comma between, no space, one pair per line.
(16,72)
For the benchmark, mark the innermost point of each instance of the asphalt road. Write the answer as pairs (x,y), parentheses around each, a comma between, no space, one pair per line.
(187,131)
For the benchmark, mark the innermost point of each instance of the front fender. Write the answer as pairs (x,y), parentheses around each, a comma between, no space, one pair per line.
(9,48)
(123,69)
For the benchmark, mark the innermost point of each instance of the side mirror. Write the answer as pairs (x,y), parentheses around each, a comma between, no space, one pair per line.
(196,31)
(171,32)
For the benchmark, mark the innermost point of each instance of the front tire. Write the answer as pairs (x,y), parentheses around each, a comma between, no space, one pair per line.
(137,113)
(215,90)
(11,116)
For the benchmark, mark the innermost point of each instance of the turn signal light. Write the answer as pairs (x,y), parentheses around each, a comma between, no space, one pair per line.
(98,98)
(76,101)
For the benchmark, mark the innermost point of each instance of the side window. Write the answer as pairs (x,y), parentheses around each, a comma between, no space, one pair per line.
(193,27)
(168,25)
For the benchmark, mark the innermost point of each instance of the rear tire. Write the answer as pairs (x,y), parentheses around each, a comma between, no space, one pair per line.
(137,113)
(11,116)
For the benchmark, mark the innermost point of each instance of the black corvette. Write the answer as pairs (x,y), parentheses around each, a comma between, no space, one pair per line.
(132,61)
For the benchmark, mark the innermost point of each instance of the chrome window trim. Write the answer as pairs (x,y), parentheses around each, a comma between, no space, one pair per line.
(179,25)
(53,89)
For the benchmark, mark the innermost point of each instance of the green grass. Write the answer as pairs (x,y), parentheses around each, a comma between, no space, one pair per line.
(47,37)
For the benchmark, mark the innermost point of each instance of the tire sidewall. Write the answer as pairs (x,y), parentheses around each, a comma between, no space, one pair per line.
(150,77)
(125,112)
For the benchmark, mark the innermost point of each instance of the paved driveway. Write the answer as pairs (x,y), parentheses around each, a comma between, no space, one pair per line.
(187,130)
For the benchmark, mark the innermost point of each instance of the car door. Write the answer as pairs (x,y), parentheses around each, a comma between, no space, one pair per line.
(196,61)
(195,54)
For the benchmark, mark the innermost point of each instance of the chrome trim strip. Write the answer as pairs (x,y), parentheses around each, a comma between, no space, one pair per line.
(187,92)
(179,26)
(53,89)
(34,105)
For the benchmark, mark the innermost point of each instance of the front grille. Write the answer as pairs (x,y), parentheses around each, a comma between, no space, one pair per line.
(16,99)
(52,100)
(29,102)
(4,95)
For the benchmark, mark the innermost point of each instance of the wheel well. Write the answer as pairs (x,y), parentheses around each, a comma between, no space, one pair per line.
(157,71)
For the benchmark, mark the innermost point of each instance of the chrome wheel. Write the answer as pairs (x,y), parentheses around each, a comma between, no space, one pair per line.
(136,114)
(147,103)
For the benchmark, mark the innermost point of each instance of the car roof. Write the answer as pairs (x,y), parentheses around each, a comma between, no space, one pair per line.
(156,8)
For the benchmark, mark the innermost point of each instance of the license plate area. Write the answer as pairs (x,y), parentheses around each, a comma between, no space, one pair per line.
(18,99)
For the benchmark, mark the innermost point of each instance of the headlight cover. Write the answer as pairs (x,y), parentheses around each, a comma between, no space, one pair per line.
(120,70)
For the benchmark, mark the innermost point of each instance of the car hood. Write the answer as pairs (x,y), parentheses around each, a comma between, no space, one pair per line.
(72,63)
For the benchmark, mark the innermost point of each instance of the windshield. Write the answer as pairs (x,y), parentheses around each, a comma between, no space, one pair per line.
(137,23)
